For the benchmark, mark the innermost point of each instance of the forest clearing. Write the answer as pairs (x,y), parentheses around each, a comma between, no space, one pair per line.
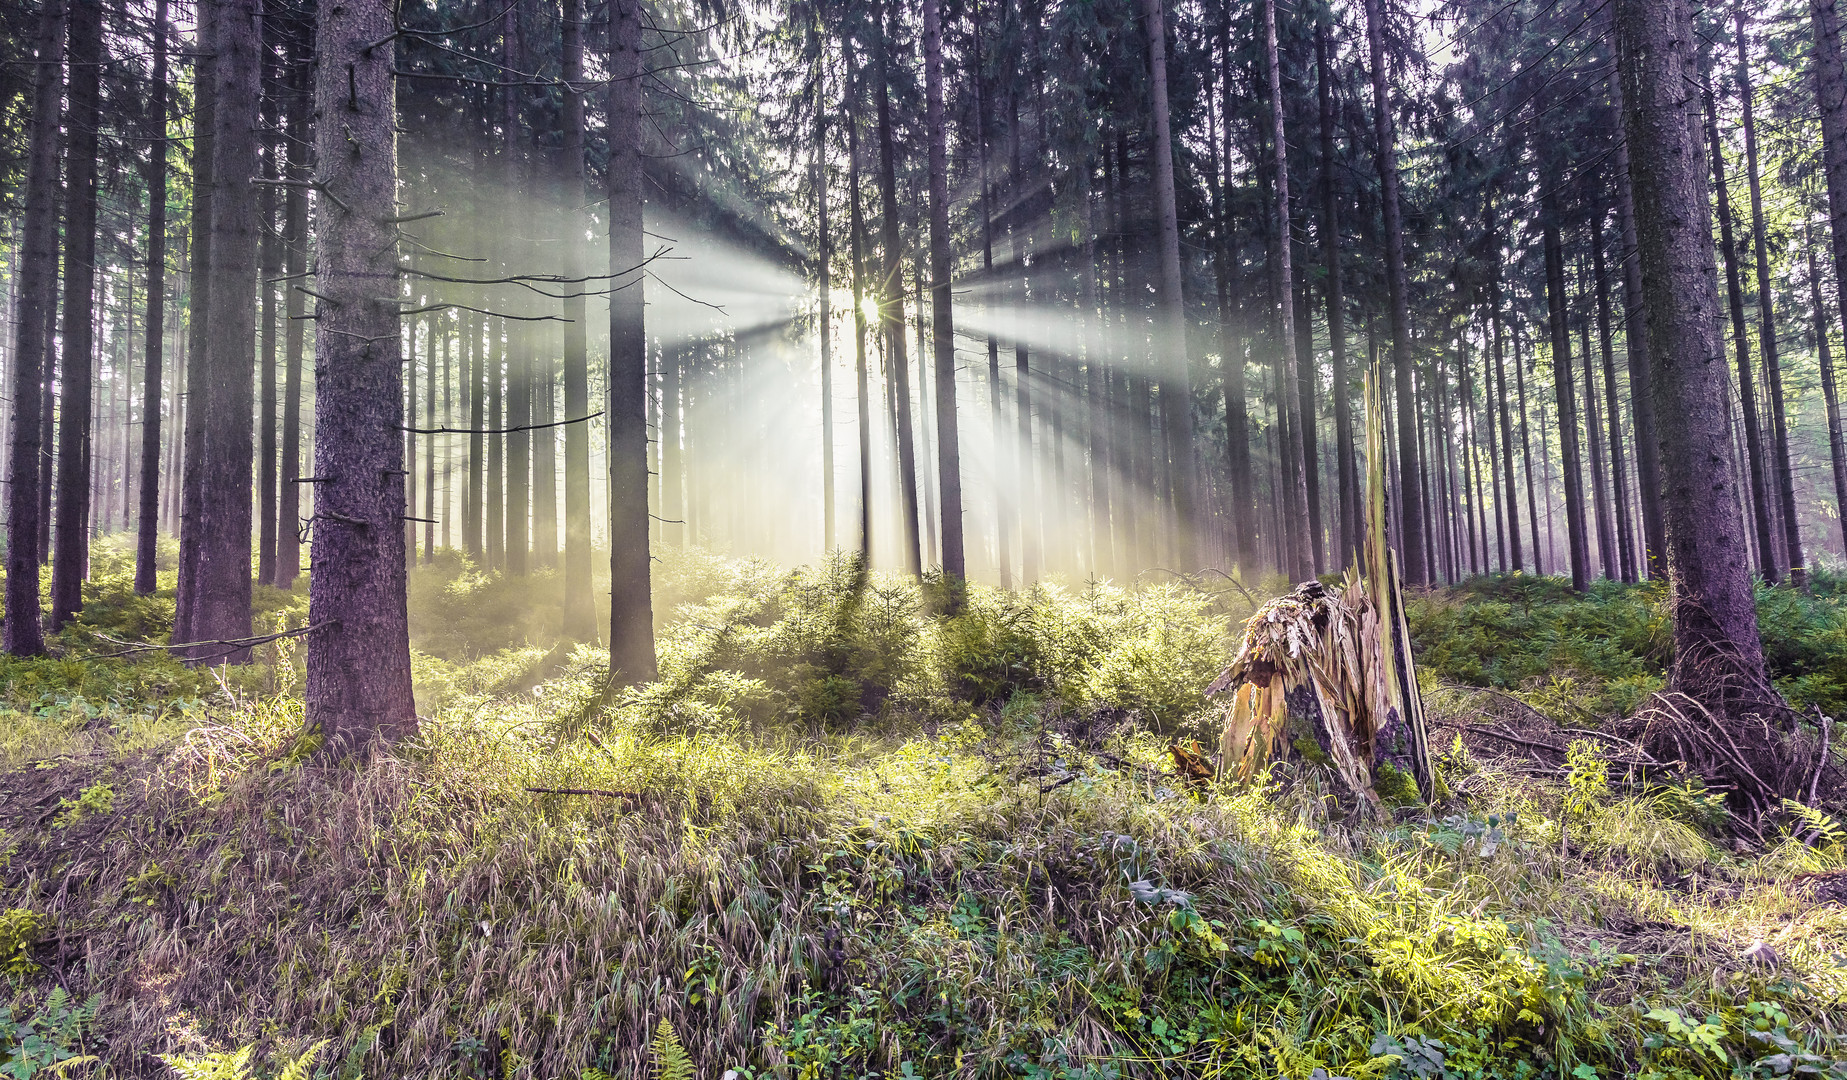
(1047,539)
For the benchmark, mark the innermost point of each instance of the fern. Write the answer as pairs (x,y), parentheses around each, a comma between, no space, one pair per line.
(301,1068)
(670,1059)
(1828,832)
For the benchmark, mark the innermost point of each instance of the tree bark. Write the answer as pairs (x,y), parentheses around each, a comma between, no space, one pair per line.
(823,263)
(862,387)
(579,601)
(1641,378)
(359,682)
(1170,321)
(1411,532)
(147,517)
(1830,392)
(218,534)
(1718,656)
(1784,480)
(1346,466)
(25,635)
(942,317)
(83,117)
(1619,467)
(891,321)
(1759,502)
(631,611)
(1577,538)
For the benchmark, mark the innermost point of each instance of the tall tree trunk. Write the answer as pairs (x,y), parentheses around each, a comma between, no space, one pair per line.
(295,263)
(1619,467)
(579,601)
(1831,98)
(1641,378)
(1411,532)
(942,319)
(359,684)
(219,535)
(25,635)
(1593,436)
(1785,479)
(1759,501)
(891,308)
(1526,456)
(1718,656)
(495,354)
(474,380)
(1577,539)
(1830,392)
(269,264)
(861,375)
(83,116)
(1170,320)
(997,419)
(519,352)
(823,263)
(631,611)
(1346,467)
(147,517)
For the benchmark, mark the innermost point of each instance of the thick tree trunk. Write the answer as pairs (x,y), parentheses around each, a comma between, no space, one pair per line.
(218,536)
(147,517)
(579,601)
(942,319)
(25,636)
(359,684)
(1759,502)
(1718,656)
(1641,378)
(631,612)
(1170,314)
(83,117)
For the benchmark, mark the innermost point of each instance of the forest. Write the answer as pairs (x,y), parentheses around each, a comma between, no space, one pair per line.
(862,539)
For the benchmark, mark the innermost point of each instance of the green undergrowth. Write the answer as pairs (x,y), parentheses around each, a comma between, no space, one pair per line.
(847,836)
(1598,655)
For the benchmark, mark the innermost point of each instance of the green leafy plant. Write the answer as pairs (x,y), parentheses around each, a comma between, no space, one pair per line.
(49,1042)
(19,931)
(98,798)
(670,1058)
(1587,777)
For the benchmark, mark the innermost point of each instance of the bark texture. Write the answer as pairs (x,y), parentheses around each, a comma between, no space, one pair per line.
(1718,656)
(631,610)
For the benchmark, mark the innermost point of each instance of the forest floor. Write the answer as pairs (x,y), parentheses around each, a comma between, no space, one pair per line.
(844,837)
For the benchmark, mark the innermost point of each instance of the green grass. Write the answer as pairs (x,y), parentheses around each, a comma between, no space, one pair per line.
(844,836)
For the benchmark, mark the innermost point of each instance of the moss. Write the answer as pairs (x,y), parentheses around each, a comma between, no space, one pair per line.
(1395,786)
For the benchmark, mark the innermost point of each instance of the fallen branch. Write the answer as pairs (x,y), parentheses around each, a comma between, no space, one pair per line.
(233,644)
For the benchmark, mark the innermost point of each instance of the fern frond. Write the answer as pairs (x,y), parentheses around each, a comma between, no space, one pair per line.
(300,1068)
(1827,830)
(670,1059)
